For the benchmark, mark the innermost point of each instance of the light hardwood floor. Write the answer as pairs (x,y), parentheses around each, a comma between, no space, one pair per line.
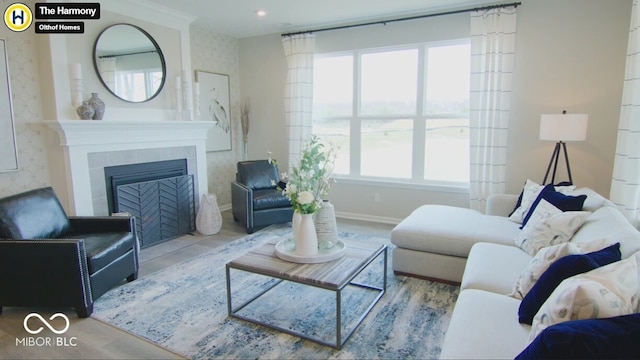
(94,339)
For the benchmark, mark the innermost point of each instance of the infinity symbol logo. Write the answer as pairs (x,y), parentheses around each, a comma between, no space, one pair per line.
(45,322)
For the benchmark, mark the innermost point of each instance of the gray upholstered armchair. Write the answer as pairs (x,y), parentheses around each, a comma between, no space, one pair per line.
(255,200)
(48,259)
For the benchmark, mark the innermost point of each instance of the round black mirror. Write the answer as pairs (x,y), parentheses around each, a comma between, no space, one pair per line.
(129,63)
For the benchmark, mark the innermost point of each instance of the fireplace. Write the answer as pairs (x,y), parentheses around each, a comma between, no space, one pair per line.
(115,176)
(159,194)
(85,148)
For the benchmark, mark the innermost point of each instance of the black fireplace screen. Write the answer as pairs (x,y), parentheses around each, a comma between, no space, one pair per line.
(163,204)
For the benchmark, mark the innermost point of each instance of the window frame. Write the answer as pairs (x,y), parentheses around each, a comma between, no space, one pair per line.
(419,120)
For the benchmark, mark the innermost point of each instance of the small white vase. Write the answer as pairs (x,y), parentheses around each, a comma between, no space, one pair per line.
(304,234)
(209,218)
(326,227)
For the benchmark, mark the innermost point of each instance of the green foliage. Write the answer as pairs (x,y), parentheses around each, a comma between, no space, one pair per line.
(310,182)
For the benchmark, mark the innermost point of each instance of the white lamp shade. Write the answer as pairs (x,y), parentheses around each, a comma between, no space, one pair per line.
(563,127)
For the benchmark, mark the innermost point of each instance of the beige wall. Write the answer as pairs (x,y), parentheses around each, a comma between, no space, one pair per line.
(263,71)
(570,55)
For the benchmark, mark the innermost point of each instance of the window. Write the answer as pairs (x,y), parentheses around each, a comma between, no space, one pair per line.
(396,114)
(138,85)
(388,82)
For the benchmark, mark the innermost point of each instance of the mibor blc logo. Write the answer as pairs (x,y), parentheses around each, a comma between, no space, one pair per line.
(46,323)
(33,325)
(18,17)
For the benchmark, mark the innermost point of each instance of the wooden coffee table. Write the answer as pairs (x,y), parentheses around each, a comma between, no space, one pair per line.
(334,276)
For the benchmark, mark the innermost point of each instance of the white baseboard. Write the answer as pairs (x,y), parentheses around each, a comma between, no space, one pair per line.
(364,217)
(347,215)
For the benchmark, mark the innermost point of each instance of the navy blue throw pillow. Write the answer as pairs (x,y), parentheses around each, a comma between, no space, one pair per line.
(557,199)
(519,201)
(561,269)
(608,338)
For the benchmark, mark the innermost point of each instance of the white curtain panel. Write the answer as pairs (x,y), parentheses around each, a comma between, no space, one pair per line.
(493,40)
(298,97)
(625,185)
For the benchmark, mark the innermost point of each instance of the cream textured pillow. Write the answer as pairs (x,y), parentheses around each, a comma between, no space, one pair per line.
(608,291)
(547,256)
(548,226)
(529,194)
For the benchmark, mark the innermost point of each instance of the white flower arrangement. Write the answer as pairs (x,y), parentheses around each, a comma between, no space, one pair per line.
(310,182)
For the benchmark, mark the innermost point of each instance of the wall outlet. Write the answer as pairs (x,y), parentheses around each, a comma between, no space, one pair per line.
(376,197)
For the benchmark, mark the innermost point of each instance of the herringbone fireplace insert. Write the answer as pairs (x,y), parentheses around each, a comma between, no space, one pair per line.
(159,194)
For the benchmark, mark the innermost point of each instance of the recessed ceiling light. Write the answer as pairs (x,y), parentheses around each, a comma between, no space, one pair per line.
(261,13)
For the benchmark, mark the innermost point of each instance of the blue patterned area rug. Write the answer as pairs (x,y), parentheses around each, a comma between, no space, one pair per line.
(184,308)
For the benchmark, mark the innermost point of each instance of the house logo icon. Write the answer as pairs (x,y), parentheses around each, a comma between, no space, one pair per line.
(18,17)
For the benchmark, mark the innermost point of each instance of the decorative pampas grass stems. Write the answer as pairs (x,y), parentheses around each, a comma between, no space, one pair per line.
(244,123)
(244,120)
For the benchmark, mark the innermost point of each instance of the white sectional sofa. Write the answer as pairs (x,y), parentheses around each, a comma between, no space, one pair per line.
(479,251)
(434,241)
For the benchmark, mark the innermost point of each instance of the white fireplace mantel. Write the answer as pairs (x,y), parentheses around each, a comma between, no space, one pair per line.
(79,138)
(86,132)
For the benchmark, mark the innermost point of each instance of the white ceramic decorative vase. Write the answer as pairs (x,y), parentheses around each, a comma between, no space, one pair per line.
(326,227)
(304,234)
(209,218)
(295,223)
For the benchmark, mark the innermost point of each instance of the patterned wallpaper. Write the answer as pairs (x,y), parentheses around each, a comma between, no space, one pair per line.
(218,53)
(33,168)
(210,51)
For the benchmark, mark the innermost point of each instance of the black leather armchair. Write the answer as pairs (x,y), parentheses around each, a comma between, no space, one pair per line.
(255,201)
(49,259)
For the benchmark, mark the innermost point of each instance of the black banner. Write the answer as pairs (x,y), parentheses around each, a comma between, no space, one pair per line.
(84,11)
(64,27)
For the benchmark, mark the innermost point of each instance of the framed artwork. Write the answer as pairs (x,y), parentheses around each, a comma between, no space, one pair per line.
(213,105)
(8,151)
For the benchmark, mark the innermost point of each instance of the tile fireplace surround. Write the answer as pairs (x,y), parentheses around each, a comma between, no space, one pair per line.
(84,148)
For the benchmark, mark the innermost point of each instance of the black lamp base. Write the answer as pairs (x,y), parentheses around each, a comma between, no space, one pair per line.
(554,160)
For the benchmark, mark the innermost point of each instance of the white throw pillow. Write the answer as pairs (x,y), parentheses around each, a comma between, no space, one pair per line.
(548,226)
(607,291)
(529,194)
(547,256)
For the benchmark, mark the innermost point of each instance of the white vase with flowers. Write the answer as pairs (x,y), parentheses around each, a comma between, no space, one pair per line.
(307,185)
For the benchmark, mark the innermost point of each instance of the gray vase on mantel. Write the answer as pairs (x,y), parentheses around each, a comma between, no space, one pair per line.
(85,111)
(98,106)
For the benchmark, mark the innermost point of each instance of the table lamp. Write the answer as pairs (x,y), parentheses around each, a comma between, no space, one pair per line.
(561,128)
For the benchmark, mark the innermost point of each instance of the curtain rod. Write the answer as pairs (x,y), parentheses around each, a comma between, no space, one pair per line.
(127,54)
(384,22)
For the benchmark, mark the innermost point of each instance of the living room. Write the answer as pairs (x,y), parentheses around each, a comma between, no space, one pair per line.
(570,55)
(558,44)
